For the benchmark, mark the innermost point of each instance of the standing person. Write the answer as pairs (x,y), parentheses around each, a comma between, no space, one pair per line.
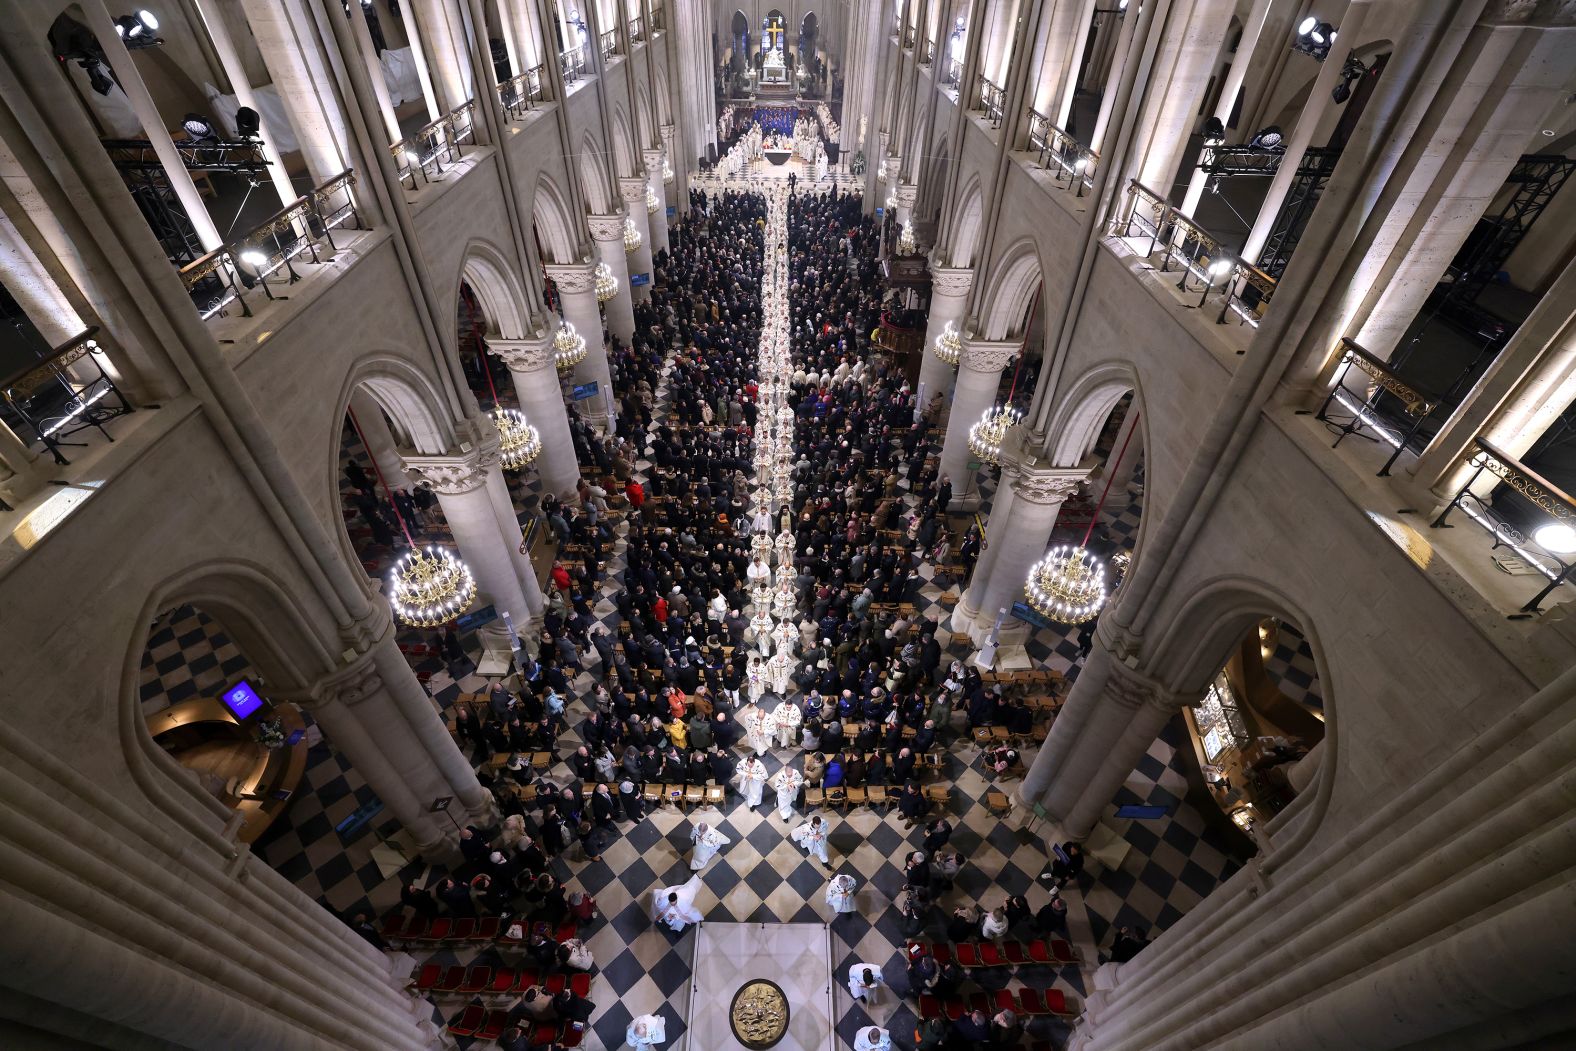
(787,782)
(708,841)
(863,981)
(936,835)
(840,894)
(755,730)
(873,1039)
(812,837)
(785,721)
(752,781)
(674,907)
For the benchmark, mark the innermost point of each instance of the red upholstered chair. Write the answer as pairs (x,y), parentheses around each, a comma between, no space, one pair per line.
(487,928)
(954,1007)
(554,984)
(564,932)
(1039,952)
(929,1007)
(469,1022)
(544,1033)
(476,981)
(393,928)
(979,1001)
(1005,1000)
(451,981)
(941,951)
(580,983)
(1033,1003)
(427,977)
(464,930)
(1056,1002)
(1062,952)
(991,955)
(1017,953)
(571,1037)
(497,1022)
(968,954)
(437,931)
(503,982)
(527,979)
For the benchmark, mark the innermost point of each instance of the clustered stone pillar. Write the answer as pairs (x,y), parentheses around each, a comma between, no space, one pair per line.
(1111,717)
(979,376)
(576,284)
(608,233)
(633,191)
(1127,452)
(905,195)
(531,365)
(373,427)
(949,296)
(1016,537)
(463,482)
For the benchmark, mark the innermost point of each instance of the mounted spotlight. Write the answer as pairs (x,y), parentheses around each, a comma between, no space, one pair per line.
(1269,139)
(247,122)
(1351,73)
(1314,38)
(1214,131)
(199,128)
(97,78)
(138,30)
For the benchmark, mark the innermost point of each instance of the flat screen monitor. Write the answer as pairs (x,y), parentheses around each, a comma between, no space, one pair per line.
(241,699)
(1142,811)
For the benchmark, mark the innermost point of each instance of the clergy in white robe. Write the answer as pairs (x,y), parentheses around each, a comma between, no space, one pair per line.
(646,1032)
(755,679)
(812,837)
(756,732)
(787,782)
(707,842)
(872,1039)
(752,781)
(785,723)
(675,906)
(863,980)
(840,893)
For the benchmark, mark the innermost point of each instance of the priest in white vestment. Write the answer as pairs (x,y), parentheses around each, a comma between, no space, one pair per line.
(863,981)
(675,906)
(787,782)
(840,893)
(708,841)
(872,1039)
(752,781)
(646,1032)
(812,837)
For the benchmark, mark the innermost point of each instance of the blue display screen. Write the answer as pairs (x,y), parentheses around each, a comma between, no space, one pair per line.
(241,699)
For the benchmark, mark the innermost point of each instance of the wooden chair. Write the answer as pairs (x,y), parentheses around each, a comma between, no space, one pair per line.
(837,796)
(675,794)
(715,796)
(858,797)
(998,803)
(814,797)
(541,760)
(694,795)
(651,794)
(878,796)
(940,795)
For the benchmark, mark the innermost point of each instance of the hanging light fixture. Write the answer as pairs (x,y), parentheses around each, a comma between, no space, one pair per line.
(606,283)
(426,588)
(989,435)
(949,344)
(1069,583)
(632,238)
(431,587)
(652,204)
(569,347)
(519,443)
(667,170)
(906,245)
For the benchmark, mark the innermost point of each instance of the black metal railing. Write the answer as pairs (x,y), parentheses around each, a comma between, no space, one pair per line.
(519,94)
(609,42)
(928,56)
(573,63)
(302,228)
(637,30)
(1245,289)
(1546,500)
(658,21)
(992,99)
(1377,402)
(66,392)
(1073,162)
(435,148)
(954,74)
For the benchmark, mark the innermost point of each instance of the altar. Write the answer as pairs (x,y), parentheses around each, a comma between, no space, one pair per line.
(791,963)
(774,70)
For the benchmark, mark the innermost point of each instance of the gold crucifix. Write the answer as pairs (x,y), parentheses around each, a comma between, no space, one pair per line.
(774,34)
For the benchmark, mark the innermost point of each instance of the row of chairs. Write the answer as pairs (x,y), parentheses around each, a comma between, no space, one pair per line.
(502,984)
(850,796)
(486,1026)
(1054,952)
(419,932)
(1029,1002)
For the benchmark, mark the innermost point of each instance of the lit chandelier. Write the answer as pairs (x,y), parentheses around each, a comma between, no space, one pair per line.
(906,245)
(518,442)
(429,588)
(1068,584)
(606,283)
(667,171)
(949,344)
(632,238)
(987,437)
(652,204)
(569,347)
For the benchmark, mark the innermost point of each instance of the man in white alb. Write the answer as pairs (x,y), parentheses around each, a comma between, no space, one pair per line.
(707,842)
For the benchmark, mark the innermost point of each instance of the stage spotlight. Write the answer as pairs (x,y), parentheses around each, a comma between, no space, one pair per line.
(1341,92)
(139,29)
(1314,38)
(1214,131)
(198,128)
(247,122)
(1306,25)
(1268,139)
(97,78)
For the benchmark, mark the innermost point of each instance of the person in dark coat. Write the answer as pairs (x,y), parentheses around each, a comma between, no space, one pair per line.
(419,900)
(629,799)
(936,835)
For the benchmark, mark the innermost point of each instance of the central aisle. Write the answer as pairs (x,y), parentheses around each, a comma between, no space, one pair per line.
(796,956)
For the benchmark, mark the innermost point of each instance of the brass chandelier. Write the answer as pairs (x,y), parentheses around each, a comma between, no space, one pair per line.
(569,347)
(606,283)
(431,587)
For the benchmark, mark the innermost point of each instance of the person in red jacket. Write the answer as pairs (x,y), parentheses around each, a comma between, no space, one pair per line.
(659,609)
(561,577)
(636,493)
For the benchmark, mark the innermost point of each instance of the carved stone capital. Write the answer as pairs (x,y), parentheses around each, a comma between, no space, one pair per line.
(606,227)
(523,355)
(459,472)
(349,684)
(894,165)
(575,278)
(987,356)
(653,159)
(633,191)
(1045,487)
(950,281)
(906,194)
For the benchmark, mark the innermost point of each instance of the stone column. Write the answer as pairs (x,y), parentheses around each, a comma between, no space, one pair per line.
(1018,539)
(460,480)
(1119,472)
(514,539)
(608,233)
(305,85)
(576,284)
(1252,30)
(949,297)
(979,376)
(1187,59)
(633,191)
(656,221)
(905,194)
(1124,48)
(1111,717)
(530,363)
(373,427)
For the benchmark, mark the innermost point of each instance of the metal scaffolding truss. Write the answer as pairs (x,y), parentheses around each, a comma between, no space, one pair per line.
(1532,183)
(244,157)
(1318,162)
